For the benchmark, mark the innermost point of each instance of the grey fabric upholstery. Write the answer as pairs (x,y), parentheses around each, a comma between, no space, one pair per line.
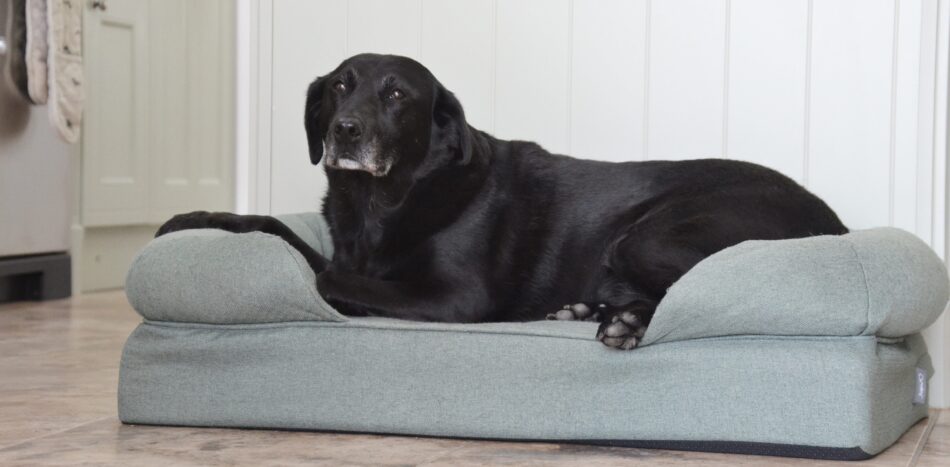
(883,282)
(212,276)
(541,380)
(809,343)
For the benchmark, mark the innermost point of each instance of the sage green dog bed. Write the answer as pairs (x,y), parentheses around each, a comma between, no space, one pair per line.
(805,347)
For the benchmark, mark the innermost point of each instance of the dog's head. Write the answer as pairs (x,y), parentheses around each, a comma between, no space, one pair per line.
(380,113)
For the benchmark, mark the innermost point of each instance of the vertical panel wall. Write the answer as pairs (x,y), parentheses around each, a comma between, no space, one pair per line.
(686,72)
(906,73)
(309,38)
(453,29)
(608,89)
(837,95)
(532,79)
(767,82)
(849,122)
(825,92)
(383,26)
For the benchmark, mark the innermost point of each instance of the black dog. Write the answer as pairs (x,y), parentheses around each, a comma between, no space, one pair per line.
(434,220)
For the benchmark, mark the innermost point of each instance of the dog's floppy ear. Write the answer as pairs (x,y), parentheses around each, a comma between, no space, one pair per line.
(450,131)
(315,125)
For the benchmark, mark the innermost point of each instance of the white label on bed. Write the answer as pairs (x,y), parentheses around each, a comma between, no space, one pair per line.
(920,396)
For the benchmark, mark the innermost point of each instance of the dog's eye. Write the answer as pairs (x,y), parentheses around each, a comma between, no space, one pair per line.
(396,94)
(339,86)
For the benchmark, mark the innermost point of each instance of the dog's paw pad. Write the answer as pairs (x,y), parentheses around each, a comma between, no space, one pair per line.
(575,312)
(622,331)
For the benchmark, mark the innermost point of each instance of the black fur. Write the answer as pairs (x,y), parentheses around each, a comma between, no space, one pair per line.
(447,223)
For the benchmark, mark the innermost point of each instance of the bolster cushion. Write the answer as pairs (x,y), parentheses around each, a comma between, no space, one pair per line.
(883,282)
(217,277)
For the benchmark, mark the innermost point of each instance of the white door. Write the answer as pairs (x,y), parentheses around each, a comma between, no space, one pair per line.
(191,150)
(114,142)
(160,104)
(159,133)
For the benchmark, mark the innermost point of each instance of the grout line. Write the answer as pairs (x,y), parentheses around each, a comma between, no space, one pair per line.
(54,433)
(727,40)
(806,146)
(895,42)
(924,437)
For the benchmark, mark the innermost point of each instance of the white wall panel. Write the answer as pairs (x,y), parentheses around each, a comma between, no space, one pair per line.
(850,108)
(839,95)
(307,44)
(532,85)
(456,39)
(608,86)
(905,117)
(766,93)
(686,78)
(814,89)
(383,26)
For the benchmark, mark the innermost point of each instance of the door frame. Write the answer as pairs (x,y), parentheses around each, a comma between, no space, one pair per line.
(254,111)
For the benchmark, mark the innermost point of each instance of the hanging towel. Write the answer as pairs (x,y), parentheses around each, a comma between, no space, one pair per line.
(37,48)
(65,67)
(14,67)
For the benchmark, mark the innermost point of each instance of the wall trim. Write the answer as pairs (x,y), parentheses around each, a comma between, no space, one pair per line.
(940,353)
(255,78)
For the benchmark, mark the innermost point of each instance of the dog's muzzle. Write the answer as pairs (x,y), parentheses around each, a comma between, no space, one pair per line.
(362,161)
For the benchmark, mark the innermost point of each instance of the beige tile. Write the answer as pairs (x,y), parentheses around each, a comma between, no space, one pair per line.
(936,452)
(59,363)
(107,442)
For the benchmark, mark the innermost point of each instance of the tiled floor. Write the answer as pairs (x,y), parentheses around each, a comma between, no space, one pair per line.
(58,370)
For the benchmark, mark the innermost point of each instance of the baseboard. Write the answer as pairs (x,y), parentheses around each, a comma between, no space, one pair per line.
(107,252)
(35,277)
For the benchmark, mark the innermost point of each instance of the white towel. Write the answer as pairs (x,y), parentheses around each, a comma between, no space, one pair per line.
(37,49)
(14,74)
(65,67)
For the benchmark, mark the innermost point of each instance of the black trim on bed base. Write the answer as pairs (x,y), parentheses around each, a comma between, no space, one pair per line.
(723,447)
(741,447)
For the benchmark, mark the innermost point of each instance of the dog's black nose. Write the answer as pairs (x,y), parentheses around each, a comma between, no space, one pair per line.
(348,129)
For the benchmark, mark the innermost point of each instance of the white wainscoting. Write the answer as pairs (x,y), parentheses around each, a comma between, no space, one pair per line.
(847,97)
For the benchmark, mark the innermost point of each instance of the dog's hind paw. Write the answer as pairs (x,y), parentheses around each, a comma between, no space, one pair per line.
(622,331)
(577,312)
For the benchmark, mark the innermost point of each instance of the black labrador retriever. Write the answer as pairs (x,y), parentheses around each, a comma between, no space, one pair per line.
(434,220)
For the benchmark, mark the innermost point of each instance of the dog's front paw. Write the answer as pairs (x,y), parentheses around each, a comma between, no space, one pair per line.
(622,331)
(333,288)
(577,312)
(325,284)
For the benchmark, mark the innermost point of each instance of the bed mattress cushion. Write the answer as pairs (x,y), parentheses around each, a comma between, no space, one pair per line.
(817,355)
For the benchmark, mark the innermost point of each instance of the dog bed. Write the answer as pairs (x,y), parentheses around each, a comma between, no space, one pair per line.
(806,348)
